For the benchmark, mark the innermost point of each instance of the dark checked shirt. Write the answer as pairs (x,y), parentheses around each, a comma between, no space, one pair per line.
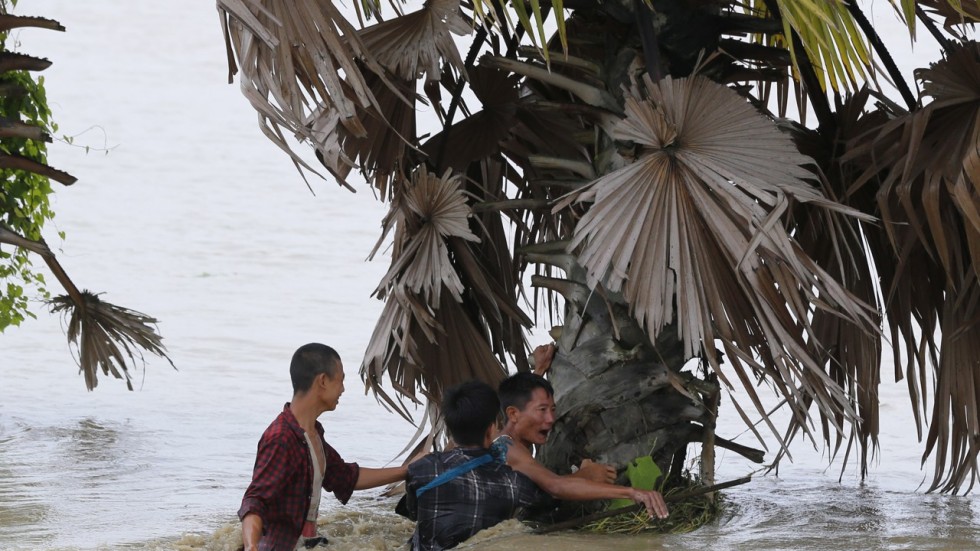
(478,499)
(282,481)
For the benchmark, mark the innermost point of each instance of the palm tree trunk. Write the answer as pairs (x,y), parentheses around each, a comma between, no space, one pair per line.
(618,395)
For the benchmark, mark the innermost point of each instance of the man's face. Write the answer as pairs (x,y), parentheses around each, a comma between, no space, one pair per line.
(534,422)
(332,387)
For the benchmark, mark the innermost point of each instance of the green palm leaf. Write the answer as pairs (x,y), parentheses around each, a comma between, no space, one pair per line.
(829,36)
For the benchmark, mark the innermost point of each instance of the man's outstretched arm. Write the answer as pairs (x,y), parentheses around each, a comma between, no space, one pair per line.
(581,489)
(372,478)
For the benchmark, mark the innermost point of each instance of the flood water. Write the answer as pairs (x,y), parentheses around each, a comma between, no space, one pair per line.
(185,211)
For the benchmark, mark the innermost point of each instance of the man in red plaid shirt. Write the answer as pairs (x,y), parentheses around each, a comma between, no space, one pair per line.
(294,461)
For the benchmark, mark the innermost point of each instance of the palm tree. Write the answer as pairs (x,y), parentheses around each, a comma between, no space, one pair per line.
(642,159)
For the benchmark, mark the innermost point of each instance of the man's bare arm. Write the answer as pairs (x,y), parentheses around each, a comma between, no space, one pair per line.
(580,488)
(251,531)
(372,478)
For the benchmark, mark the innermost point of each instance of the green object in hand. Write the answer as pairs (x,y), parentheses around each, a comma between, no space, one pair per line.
(643,474)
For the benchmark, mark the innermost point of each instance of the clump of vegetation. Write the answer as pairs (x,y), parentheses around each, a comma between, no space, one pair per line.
(24,195)
(686,516)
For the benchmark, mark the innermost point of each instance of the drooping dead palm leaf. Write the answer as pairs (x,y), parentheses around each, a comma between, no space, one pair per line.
(930,163)
(519,147)
(389,137)
(955,423)
(108,337)
(956,12)
(431,210)
(691,229)
(479,135)
(426,340)
(926,167)
(426,350)
(416,43)
(298,68)
(104,334)
(853,356)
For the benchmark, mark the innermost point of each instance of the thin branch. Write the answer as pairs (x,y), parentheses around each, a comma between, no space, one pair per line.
(41,248)
(8,22)
(470,62)
(18,162)
(884,54)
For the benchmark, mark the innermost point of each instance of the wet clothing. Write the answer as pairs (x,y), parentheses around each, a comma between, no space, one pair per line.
(479,498)
(319,466)
(282,481)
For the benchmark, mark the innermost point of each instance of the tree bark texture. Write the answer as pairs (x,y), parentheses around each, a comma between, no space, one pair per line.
(619,396)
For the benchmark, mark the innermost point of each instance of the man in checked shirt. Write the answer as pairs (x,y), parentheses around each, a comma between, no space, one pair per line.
(455,494)
(294,461)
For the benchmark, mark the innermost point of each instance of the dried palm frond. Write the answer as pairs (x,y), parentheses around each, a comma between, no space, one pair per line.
(105,335)
(298,67)
(926,166)
(426,349)
(389,137)
(478,136)
(512,151)
(956,12)
(446,314)
(430,210)
(414,44)
(853,356)
(955,421)
(692,227)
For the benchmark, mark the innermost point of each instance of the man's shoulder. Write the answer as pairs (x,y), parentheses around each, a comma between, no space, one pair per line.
(430,462)
(280,430)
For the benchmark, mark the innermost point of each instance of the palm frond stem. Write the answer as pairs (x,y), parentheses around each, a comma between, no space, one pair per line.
(573,291)
(946,44)
(481,35)
(41,248)
(883,53)
(738,23)
(511,204)
(648,36)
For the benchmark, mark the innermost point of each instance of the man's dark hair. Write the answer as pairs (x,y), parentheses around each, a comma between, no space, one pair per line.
(469,409)
(309,361)
(516,390)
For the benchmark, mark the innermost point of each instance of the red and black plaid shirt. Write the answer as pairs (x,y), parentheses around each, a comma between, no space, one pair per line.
(282,481)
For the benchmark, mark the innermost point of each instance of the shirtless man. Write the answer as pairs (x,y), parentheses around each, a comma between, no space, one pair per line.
(528,403)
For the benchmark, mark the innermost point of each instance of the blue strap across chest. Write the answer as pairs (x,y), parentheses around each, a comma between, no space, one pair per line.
(454,472)
(497,452)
